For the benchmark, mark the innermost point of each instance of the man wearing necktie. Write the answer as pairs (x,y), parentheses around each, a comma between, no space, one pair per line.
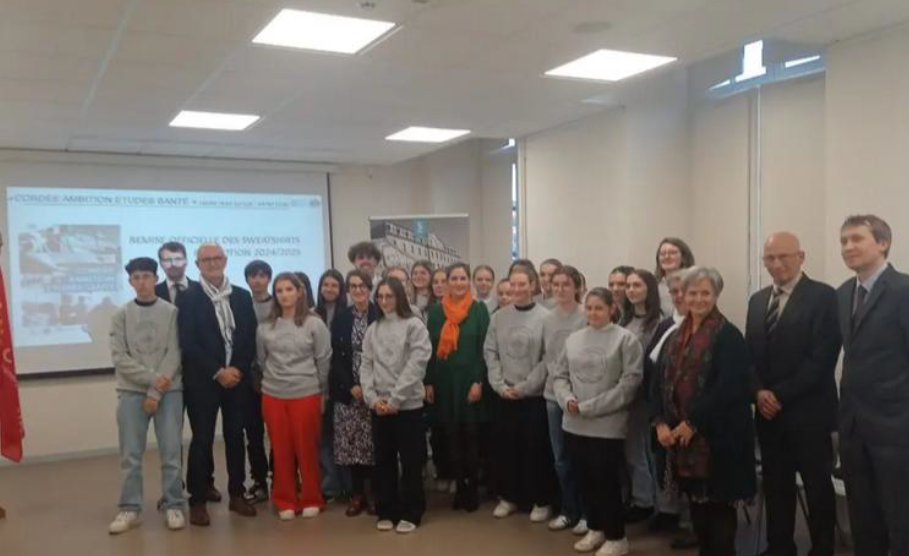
(172,258)
(874,406)
(794,337)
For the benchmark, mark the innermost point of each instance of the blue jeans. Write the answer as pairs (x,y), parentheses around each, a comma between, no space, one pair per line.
(571,503)
(132,422)
(645,490)
(336,479)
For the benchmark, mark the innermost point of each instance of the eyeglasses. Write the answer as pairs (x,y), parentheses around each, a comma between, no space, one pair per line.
(360,286)
(212,260)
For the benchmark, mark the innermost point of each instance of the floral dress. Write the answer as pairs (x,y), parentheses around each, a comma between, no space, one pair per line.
(353,443)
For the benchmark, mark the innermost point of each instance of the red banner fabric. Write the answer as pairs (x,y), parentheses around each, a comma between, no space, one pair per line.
(11,429)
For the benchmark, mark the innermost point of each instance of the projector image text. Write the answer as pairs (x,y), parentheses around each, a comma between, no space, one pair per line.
(67,249)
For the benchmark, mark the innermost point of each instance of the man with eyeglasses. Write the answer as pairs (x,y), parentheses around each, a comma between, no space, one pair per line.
(217,325)
(793,333)
(172,258)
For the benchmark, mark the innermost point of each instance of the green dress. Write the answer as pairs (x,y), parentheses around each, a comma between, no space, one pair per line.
(452,378)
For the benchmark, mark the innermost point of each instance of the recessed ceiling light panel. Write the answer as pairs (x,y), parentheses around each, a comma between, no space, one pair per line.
(322,32)
(418,134)
(214,120)
(609,65)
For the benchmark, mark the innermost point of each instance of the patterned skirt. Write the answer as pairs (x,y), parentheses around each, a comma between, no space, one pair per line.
(353,444)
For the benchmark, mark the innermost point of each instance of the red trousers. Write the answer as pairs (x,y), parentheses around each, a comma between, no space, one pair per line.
(293,428)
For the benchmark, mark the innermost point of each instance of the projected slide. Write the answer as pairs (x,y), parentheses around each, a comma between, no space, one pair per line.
(68,248)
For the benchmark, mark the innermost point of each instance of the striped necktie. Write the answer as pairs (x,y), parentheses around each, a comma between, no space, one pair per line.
(773,311)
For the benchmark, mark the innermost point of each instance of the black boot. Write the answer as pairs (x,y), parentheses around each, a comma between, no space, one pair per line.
(471,496)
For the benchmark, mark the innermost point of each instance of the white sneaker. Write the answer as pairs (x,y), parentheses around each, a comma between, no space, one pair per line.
(286,515)
(580,529)
(405,527)
(560,523)
(539,514)
(591,541)
(123,522)
(614,548)
(175,519)
(504,509)
(311,511)
(385,525)
(442,485)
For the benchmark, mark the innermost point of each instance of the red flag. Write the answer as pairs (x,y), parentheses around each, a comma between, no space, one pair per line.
(11,429)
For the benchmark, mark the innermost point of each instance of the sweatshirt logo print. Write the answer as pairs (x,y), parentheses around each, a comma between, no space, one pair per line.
(390,348)
(145,339)
(519,343)
(591,364)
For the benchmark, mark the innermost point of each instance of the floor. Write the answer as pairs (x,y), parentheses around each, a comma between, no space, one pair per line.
(65,507)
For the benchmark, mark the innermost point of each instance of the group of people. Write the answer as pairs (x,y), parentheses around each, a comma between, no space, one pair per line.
(587,408)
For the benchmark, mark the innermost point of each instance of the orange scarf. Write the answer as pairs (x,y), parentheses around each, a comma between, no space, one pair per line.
(455,313)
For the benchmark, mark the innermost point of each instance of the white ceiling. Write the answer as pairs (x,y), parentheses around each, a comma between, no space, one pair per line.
(109,75)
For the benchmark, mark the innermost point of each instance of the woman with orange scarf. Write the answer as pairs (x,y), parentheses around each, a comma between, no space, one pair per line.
(455,378)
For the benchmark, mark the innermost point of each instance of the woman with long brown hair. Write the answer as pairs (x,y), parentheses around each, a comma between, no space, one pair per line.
(294,353)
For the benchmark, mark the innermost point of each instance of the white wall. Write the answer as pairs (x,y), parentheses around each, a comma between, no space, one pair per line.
(794,169)
(472,177)
(602,191)
(867,139)
(719,197)
(358,192)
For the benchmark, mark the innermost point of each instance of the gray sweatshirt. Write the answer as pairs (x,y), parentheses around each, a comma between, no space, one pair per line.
(294,359)
(395,354)
(514,348)
(262,309)
(637,327)
(601,370)
(144,346)
(557,326)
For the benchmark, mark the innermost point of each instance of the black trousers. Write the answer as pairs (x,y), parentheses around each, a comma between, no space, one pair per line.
(399,437)
(810,453)
(600,463)
(254,427)
(877,492)
(463,450)
(525,466)
(203,401)
(715,525)
(441,455)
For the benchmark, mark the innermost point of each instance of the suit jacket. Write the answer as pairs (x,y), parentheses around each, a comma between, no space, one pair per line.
(162,291)
(200,335)
(874,390)
(798,361)
(340,375)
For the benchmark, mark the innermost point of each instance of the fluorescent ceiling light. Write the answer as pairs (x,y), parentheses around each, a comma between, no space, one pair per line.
(324,32)
(801,61)
(427,134)
(609,65)
(214,120)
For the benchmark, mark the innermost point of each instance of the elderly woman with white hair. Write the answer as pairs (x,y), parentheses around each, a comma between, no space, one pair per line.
(702,414)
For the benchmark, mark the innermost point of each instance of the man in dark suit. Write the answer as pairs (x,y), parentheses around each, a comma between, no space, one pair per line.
(874,391)
(794,337)
(218,338)
(172,258)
